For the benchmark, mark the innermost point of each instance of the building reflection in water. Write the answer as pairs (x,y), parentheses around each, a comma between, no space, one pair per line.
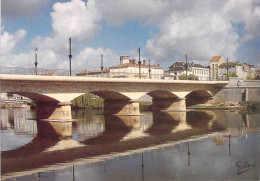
(104,134)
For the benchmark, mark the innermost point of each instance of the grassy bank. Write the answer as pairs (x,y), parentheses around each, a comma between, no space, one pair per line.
(221,105)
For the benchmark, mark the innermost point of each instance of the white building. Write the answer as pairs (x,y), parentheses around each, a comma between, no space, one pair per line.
(178,69)
(127,69)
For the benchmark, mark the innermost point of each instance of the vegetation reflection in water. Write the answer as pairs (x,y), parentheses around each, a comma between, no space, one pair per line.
(157,145)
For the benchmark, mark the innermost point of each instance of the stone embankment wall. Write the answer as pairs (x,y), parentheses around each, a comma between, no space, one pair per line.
(238,90)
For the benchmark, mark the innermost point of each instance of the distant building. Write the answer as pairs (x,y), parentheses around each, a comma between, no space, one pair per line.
(218,69)
(179,68)
(243,70)
(127,69)
(257,74)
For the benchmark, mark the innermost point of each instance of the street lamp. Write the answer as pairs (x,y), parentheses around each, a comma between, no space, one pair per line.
(70,56)
(186,67)
(149,69)
(36,63)
(227,69)
(139,62)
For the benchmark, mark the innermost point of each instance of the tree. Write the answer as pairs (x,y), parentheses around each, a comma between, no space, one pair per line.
(193,77)
(182,77)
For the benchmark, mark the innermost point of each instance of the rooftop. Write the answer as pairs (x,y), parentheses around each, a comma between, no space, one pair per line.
(215,58)
(225,64)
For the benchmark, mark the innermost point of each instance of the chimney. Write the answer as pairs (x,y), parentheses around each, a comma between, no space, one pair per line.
(133,61)
(144,62)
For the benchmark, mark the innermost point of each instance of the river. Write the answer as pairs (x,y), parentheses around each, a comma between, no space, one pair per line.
(192,145)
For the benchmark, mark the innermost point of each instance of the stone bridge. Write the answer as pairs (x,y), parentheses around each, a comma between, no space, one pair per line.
(54,94)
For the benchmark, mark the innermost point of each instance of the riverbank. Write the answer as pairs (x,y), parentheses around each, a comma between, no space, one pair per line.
(249,106)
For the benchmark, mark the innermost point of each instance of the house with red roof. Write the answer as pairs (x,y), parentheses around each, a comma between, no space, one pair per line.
(219,67)
(214,66)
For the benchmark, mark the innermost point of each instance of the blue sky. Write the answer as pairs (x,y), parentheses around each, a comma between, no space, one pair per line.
(165,30)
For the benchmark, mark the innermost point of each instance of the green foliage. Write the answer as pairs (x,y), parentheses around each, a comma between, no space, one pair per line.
(252,78)
(230,104)
(193,77)
(232,74)
(190,77)
(88,101)
(251,106)
(145,106)
(222,105)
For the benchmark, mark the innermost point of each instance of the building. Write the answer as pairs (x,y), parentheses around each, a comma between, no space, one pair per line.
(178,69)
(235,69)
(127,69)
(215,62)
(257,74)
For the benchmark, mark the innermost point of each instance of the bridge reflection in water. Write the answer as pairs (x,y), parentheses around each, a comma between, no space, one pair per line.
(94,135)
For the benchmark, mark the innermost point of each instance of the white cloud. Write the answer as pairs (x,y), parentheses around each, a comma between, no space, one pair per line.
(76,19)
(90,59)
(9,41)
(204,27)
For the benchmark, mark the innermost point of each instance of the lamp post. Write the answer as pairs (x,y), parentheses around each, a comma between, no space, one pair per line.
(139,62)
(209,73)
(70,56)
(102,67)
(36,63)
(186,66)
(149,69)
(227,68)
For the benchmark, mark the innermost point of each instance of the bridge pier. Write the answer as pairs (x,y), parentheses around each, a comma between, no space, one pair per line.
(169,104)
(121,107)
(54,111)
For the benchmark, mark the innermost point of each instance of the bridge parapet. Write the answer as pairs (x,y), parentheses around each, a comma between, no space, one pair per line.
(120,94)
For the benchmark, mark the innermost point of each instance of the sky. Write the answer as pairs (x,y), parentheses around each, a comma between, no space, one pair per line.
(165,30)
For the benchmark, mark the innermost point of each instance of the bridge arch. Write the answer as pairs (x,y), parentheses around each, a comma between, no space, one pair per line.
(36,97)
(117,103)
(162,94)
(110,95)
(166,100)
(198,97)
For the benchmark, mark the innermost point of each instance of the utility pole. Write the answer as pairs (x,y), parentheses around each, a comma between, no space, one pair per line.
(102,65)
(186,66)
(102,62)
(149,69)
(209,73)
(36,63)
(139,62)
(227,69)
(70,56)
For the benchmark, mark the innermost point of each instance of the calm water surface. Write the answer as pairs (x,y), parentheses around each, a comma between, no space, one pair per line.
(196,145)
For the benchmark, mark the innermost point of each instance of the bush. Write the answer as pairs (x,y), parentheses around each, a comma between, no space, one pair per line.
(251,106)
(190,77)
